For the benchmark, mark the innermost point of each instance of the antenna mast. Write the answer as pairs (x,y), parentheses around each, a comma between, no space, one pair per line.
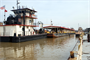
(17,4)
(51,22)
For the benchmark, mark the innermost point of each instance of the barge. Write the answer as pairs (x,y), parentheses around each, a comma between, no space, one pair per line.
(58,31)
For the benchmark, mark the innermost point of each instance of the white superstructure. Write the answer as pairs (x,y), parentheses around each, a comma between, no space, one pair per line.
(18,29)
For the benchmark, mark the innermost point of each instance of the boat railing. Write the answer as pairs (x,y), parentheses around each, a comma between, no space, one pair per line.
(78,55)
(49,32)
(27,33)
(36,24)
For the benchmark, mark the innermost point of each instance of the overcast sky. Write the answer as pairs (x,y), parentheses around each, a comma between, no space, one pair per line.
(67,13)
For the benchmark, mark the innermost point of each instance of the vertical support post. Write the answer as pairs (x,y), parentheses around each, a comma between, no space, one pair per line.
(81,48)
(4,24)
(24,23)
(57,30)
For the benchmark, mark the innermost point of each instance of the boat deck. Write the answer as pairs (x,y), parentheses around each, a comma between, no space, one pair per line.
(85,50)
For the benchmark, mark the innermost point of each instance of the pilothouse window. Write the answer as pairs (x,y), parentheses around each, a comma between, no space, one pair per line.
(29,21)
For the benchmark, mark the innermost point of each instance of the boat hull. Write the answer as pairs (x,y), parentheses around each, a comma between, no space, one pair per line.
(55,35)
(21,38)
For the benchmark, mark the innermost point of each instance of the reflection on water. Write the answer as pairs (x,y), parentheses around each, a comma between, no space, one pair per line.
(42,49)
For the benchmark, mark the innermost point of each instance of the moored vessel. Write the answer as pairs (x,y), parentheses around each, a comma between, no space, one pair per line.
(58,31)
(20,27)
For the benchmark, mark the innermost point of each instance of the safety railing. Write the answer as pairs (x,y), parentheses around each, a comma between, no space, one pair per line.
(78,52)
(79,55)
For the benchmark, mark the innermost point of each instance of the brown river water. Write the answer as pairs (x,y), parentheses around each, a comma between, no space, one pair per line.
(42,49)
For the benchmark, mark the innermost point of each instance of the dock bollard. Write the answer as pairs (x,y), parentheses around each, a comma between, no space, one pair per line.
(72,54)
